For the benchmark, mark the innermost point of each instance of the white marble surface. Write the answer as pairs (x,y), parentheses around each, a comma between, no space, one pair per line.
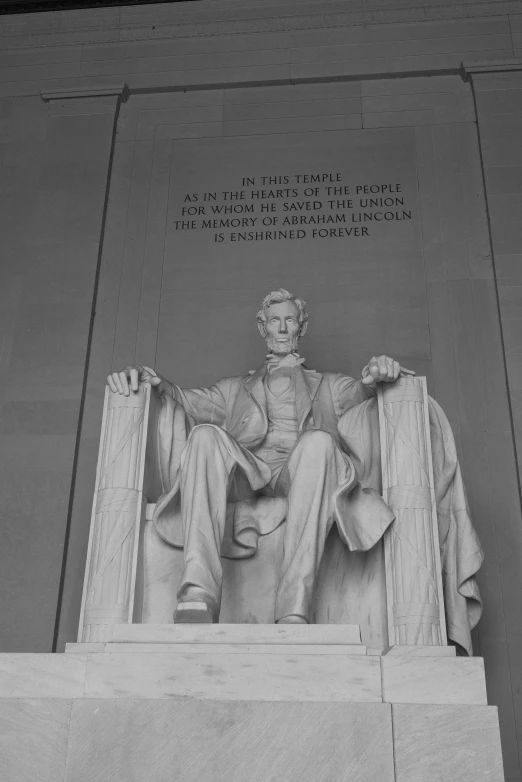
(33,739)
(110,584)
(411,545)
(450,680)
(250,585)
(231,716)
(162,568)
(213,648)
(81,648)
(42,675)
(421,651)
(443,743)
(256,677)
(223,741)
(125,739)
(237,633)
(350,587)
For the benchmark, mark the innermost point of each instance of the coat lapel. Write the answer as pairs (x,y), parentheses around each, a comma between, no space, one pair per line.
(255,386)
(307,383)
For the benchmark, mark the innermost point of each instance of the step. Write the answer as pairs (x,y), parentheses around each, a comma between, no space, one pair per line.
(216,648)
(241,676)
(322,635)
(255,675)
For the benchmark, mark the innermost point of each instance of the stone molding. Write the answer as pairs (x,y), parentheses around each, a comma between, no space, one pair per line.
(470,69)
(120,91)
(229,17)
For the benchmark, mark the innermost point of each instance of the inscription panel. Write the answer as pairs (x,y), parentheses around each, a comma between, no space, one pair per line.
(334,219)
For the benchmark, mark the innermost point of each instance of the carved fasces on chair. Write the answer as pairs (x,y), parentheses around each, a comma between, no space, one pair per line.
(112,558)
(413,571)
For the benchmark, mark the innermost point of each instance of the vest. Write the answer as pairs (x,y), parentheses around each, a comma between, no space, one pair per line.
(283,427)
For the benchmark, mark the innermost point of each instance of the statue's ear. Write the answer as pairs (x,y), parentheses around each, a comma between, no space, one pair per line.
(304,326)
(262,329)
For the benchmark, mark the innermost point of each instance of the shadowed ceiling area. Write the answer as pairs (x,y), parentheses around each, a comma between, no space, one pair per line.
(33,6)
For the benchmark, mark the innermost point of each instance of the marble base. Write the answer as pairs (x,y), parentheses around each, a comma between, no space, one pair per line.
(434,743)
(245,662)
(242,676)
(34,736)
(199,741)
(411,679)
(261,702)
(121,739)
(210,742)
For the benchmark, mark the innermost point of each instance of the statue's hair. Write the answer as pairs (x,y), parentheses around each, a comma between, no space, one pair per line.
(277,297)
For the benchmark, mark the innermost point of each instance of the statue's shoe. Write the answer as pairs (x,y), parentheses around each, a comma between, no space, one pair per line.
(292,619)
(196,606)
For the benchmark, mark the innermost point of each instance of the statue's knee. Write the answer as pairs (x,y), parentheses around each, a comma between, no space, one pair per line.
(204,445)
(317,441)
(204,433)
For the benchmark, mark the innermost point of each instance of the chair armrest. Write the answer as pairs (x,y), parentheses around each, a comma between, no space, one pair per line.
(411,544)
(112,556)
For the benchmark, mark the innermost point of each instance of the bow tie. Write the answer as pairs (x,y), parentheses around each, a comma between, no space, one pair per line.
(274,363)
(289,362)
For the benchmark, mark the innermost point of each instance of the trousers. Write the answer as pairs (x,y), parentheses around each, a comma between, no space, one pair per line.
(308,478)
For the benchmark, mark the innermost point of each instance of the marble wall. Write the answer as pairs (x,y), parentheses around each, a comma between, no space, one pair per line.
(84,166)
(55,172)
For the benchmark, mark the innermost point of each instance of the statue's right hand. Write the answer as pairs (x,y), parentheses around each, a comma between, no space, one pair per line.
(129,379)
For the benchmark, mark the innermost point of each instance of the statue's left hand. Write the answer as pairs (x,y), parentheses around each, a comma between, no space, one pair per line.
(383,369)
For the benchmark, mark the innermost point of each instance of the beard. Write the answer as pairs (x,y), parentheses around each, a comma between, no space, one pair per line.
(282,348)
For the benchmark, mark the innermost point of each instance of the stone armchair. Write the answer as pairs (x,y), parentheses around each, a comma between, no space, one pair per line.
(394,592)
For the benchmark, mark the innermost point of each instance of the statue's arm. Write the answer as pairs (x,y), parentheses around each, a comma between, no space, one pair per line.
(204,405)
(348,392)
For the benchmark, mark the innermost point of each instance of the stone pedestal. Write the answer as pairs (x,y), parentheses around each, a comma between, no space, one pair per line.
(258,702)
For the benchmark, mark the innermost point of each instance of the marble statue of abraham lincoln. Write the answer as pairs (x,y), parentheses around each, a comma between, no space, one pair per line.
(271,433)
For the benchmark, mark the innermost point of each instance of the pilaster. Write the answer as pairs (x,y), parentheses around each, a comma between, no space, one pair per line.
(497,89)
(62,144)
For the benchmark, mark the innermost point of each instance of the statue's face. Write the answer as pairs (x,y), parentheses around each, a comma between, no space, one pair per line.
(282,327)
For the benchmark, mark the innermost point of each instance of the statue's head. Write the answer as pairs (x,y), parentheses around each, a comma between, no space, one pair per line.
(282,321)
